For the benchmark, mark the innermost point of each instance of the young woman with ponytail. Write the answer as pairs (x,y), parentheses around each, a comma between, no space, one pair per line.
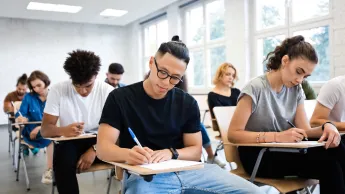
(264,106)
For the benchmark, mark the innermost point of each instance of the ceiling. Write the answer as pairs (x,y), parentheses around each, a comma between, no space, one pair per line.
(90,12)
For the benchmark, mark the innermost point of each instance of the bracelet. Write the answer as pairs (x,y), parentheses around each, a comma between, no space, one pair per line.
(258,138)
(323,125)
(264,137)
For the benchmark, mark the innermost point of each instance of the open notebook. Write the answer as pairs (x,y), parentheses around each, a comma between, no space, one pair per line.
(170,164)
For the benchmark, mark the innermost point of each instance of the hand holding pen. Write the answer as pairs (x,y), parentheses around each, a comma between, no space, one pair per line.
(138,155)
(291,135)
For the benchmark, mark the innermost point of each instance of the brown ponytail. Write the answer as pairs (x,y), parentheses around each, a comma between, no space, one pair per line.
(294,47)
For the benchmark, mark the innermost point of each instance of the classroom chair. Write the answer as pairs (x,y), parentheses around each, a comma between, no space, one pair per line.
(309,106)
(94,168)
(223,116)
(20,156)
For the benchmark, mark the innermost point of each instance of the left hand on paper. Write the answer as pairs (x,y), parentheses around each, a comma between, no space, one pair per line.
(160,156)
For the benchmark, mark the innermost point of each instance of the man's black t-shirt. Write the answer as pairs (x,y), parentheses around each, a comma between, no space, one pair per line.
(158,124)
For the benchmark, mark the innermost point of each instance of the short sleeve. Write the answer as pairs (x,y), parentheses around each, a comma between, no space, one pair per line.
(192,124)
(300,96)
(53,102)
(250,90)
(111,113)
(329,94)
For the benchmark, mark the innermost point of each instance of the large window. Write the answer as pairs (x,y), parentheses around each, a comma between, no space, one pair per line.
(278,19)
(153,34)
(205,38)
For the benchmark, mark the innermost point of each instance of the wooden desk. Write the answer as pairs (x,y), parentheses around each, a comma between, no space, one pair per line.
(83,136)
(146,173)
(301,147)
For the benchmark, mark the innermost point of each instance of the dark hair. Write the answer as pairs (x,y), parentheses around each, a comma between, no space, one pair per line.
(38,75)
(294,47)
(176,48)
(116,68)
(82,65)
(22,79)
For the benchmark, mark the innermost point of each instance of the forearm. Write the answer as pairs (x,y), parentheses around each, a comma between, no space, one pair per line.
(50,130)
(111,152)
(190,153)
(8,107)
(242,136)
(320,122)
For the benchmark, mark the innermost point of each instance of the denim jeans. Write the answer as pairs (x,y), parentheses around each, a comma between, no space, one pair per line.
(209,180)
(206,142)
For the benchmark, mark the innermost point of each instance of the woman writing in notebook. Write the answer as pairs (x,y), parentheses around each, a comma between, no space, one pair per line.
(31,109)
(264,106)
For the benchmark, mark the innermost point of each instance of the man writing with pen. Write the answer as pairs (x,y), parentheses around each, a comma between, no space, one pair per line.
(166,122)
(77,104)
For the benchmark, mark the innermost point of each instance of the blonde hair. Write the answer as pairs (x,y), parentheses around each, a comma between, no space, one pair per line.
(221,71)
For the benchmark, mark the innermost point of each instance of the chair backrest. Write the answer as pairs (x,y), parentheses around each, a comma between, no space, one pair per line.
(17,106)
(309,106)
(224,115)
(215,126)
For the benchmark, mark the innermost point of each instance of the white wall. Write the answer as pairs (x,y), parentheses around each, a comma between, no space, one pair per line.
(27,45)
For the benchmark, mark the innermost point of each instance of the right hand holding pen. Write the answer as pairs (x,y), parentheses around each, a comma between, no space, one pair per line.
(291,135)
(138,155)
(73,129)
(21,119)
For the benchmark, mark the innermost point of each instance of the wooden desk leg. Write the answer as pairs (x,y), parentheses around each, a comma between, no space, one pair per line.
(257,164)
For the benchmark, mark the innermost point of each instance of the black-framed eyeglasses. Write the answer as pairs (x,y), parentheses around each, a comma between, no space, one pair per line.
(161,74)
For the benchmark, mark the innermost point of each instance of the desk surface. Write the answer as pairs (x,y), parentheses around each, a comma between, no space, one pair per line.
(27,123)
(302,144)
(83,136)
(145,171)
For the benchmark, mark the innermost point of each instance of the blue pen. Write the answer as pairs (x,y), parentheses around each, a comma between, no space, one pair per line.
(134,137)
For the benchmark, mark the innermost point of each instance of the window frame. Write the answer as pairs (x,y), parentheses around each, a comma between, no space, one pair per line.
(288,31)
(145,59)
(204,46)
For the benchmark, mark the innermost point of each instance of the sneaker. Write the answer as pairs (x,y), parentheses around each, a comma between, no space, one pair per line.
(47,177)
(216,161)
(26,152)
(35,151)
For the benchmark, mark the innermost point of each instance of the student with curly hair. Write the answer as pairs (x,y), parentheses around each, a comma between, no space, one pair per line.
(78,104)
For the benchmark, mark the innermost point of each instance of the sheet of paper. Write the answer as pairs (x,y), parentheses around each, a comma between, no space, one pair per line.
(170,164)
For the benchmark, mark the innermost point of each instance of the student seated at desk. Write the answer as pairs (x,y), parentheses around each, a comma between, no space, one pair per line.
(16,95)
(265,105)
(166,122)
(330,104)
(224,93)
(78,104)
(31,109)
(114,75)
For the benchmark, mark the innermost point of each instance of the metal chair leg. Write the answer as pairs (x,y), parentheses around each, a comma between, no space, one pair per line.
(20,149)
(112,173)
(219,147)
(25,172)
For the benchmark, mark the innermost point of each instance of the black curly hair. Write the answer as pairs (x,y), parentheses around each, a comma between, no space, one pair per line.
(81,66)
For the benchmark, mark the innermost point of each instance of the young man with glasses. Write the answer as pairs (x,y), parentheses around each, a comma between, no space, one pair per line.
(166,121)
(78,104)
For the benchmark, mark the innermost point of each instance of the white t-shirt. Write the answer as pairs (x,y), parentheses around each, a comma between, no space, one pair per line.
(332,96)
(66,103)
